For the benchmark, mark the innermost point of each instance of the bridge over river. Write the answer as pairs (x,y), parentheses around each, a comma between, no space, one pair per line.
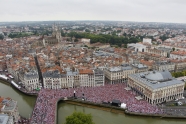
(46,105)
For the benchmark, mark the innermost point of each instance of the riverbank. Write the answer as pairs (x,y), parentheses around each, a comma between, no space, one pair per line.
(154,115)
(5,81)
(96,106)
(105,108)
(118,110)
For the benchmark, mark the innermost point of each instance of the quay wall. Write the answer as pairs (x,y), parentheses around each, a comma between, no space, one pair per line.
(96,105)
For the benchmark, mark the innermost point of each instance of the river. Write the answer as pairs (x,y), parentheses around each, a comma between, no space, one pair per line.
(26,104)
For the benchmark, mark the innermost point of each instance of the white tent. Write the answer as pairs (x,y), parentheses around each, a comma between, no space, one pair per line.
(123,105)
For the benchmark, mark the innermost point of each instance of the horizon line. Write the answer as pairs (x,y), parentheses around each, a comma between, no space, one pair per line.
(91,20)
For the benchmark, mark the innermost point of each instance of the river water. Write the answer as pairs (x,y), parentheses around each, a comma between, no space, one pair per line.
(26,104)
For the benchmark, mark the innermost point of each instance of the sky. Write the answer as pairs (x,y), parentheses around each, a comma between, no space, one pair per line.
(112,10)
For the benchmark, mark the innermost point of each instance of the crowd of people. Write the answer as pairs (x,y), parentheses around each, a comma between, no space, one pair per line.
(44,110)
(23,121)
(45,107)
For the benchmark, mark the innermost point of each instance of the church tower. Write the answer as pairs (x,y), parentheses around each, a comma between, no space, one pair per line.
(56,32)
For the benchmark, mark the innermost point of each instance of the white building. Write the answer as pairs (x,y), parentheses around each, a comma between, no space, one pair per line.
(31,80)
(137,47)
(85,40)
(139,68)
(147,40)
(78,78)
(160,66)
(99,77)
(52,80)
(118,74)
(156,86)
(178,55)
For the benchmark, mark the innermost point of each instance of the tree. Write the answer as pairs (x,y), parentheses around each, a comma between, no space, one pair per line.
(86,30)
(5,33)
(63,34)
(1,37)
(79,118)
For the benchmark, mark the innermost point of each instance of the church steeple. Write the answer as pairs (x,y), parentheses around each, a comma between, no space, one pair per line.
(56,32)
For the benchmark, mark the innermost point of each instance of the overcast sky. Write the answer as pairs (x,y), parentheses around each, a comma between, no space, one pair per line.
(117,10)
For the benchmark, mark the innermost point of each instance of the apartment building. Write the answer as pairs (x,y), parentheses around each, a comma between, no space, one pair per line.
(139,68)
(99,77)
(118,74)
(180,65)
(73,78)
(52,80)
(163,65)
(86,78)
(31,80)
(178,55)
(157,52)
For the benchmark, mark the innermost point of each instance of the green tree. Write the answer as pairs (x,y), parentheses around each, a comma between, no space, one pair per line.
(87,30)
(79,118)
(63,34)
(1,37)
(5,33)
(164,37)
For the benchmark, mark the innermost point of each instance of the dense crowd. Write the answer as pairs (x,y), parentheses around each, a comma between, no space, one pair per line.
(45,108)
(23,121)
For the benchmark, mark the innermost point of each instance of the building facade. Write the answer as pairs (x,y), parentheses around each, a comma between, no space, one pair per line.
(52,80)
(178,55)
(118,74)
(31,80)
(156,86)
(160,66)
(70,79)
(139,68)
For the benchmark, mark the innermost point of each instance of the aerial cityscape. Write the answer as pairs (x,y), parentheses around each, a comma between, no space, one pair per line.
(92,67)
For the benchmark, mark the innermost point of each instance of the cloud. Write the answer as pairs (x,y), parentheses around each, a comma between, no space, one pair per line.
(123,10)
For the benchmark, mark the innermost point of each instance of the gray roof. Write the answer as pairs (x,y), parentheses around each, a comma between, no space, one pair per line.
(159,76)
(9,105)
(156,80)
(71,73)
(3,118)
(51,74)
(103,53)
(120,68)
(139,66)
(164,63)
(32,51)
(164,49)
(31,74)
(98,72)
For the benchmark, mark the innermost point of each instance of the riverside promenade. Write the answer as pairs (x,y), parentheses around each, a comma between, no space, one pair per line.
(46,105)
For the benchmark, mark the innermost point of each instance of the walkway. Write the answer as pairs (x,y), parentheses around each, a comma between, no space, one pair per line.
(45,108)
